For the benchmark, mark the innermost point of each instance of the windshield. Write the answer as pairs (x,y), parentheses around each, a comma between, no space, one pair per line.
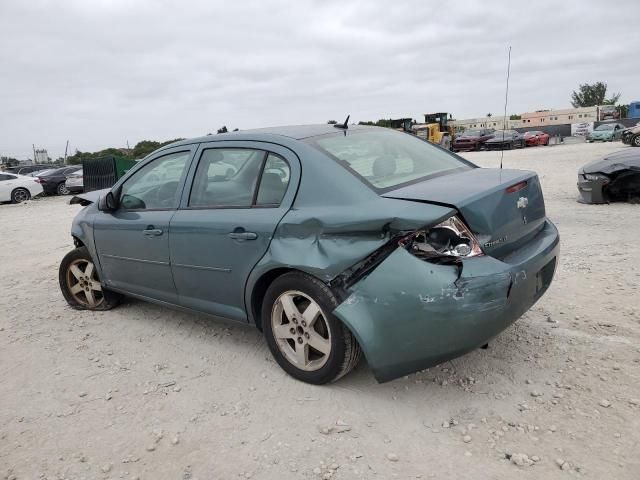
(385,159)
(605,127)
(472,133)
(505,134)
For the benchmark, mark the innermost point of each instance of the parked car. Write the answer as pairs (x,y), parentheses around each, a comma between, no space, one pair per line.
(615,177)
(53,182)
(472,139)
(74,182)
(631,136)
(505,140)
(609,112)
(536,137)
(27,169)
(332,240)
(606,132)
(17,188)
(40,172)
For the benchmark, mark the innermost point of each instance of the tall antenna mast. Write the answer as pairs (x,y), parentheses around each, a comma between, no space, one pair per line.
(506,99)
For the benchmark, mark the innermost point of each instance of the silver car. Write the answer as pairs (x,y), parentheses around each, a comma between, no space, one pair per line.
(74,182)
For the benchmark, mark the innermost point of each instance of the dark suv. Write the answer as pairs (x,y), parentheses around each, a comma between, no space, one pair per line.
(472,139)
(27,169)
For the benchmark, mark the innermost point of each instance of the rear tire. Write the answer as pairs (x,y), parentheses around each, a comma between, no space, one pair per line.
(20,195)
(62,189)
(80,284)
(297,318)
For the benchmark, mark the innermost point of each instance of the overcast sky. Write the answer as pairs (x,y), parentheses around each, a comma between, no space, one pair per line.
(101,72)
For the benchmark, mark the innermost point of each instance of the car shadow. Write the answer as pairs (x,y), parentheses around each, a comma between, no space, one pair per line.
(494,365)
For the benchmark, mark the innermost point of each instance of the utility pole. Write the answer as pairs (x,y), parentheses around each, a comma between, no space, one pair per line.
(65,152)
(34,153)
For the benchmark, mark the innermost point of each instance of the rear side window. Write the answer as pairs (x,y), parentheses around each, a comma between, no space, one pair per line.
(7,177)
(387,159)
(226,177)
(274,181)
(239,177)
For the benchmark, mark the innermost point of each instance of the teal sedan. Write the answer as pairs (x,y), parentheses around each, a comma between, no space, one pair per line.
(335,241)
(607,132)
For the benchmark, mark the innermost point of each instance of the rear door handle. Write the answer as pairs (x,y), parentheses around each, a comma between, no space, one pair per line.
(243,235)
(152,232)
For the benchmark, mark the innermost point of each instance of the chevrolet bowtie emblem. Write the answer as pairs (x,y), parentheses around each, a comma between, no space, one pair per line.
(522,202)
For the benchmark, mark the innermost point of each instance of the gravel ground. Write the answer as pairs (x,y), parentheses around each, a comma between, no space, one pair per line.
(145,392)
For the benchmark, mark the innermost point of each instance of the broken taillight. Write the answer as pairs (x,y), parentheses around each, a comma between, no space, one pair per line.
(451,238)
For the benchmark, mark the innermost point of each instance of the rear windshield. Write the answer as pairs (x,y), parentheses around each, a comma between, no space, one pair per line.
(385,159)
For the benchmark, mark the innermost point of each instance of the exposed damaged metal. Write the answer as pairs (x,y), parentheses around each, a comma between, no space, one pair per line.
(614,178)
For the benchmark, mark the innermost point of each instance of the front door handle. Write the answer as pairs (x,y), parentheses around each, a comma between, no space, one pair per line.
(150,231)
(242,235)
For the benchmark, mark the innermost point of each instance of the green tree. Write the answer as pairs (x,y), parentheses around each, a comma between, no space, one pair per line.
(515,117)
(145,147)
(332,122)
(591,95)
(9,161)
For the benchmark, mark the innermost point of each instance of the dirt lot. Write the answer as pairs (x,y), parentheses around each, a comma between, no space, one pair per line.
(145,392)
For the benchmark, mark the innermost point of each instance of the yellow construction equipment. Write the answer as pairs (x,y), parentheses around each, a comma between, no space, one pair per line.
(436,129)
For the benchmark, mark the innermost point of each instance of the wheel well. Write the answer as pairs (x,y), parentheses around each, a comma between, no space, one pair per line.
(77,242)
(260,290)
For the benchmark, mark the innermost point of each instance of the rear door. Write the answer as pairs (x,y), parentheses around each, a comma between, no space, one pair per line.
(133,241)
(236,194)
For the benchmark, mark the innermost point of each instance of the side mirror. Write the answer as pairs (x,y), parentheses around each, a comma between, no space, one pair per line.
(107,203)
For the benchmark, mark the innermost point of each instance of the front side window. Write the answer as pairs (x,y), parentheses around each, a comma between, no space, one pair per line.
(386,159)
(226,178)
(155,186)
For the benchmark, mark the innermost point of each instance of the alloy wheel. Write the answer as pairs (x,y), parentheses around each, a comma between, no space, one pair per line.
(62,189)
(20,196)
(301,330)
(83,283)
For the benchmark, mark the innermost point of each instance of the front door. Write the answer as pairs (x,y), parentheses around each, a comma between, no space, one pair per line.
(239,192)
(133,241)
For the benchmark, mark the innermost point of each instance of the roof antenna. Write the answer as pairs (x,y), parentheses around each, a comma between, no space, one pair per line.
(506,98)
(343,126)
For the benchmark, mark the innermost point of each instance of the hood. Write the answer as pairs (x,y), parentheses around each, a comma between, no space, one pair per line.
(627,159)
(88,198)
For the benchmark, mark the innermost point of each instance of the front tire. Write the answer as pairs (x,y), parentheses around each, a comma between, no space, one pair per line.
(306,340)
(635,141)
(80,284)
(20,195)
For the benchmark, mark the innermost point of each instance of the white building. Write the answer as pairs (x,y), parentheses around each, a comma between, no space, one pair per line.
(533,120)
(41,156)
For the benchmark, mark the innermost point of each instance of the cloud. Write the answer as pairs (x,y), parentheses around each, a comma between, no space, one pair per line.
(101,72)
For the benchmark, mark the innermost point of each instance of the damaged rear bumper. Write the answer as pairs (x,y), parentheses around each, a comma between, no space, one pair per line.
(408,314)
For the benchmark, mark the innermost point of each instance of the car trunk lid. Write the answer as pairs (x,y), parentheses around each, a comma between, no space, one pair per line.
(504,208)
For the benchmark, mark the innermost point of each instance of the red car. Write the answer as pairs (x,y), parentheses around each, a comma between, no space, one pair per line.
(536,137)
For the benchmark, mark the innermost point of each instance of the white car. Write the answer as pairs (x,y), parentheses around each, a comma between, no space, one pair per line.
(18,188)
